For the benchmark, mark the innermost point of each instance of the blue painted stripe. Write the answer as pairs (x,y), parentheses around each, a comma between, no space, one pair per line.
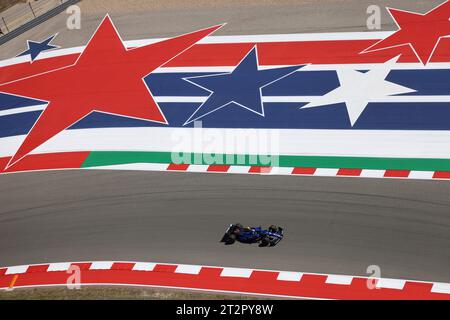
(426,82)
(377,116)
(306,83)
(12,102)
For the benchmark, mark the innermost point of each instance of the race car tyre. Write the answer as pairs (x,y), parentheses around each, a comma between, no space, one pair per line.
(264,242)
(231,239)
(273,228)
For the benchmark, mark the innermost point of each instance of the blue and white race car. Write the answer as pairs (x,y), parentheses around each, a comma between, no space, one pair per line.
(265,238)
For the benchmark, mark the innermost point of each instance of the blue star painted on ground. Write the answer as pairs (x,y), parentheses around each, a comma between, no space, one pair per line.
(242,87)
(35,48)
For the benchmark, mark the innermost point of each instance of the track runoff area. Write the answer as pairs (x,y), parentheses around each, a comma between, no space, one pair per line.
(372,105)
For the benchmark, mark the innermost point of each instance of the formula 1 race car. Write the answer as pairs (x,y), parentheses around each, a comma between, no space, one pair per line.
(265,238)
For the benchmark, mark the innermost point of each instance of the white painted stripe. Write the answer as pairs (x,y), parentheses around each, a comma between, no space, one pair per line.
(197,69)
(366,173)
(389,99)
(289,99)
(367,66)
(236,272)
(326,172)
(390,283)
(338,279)
(63,266)
(17,269)
(310,67)
(144,266)
(21,110)
(197,168)
(191,99)
(101,265)
(353,143)
(188,269)
(298,37)
(421,175)
(281,170)
(441,288)
(413,99)
(290,276)
(238,169)
(266,99)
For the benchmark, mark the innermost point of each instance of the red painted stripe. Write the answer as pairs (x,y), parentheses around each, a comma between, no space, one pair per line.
(83,266)
(301,52)
(177,167)
(270,53)
(218,168)
(418,289)
(263,276)
(441,175)
(210,272)
(258,169)
(312,280)
(46,161)
(349,172)
(306,171)
(166,268)
(122,266)
(397,173)
(38,268)
(26,69)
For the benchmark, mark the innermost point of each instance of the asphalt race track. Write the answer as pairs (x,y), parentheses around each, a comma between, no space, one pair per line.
(333,225)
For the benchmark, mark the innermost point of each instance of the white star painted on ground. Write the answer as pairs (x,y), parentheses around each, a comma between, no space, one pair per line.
(358,89)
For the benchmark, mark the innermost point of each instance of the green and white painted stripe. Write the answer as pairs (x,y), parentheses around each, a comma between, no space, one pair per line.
(361,153)
(286,165)
(105,158)
(369,167)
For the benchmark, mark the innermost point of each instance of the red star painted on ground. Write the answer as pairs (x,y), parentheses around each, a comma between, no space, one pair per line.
(422,32)
(107,77)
